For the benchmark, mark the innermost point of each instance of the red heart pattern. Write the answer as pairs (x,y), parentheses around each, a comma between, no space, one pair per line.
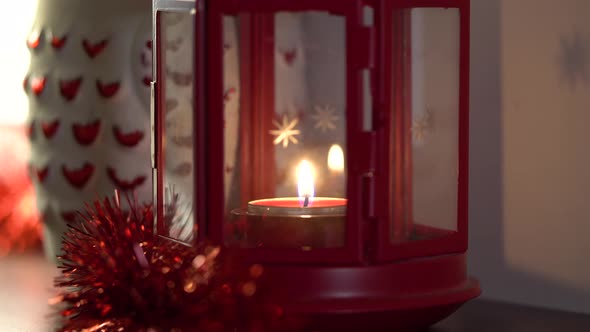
(227,94)
(107,90)
(124,184)
(86,134)
(181,79)
(174,45)
(38,85)
(58,43)
(146,80)
(69,89)
(144,59)
(42,173)
(93,50)
(34,39)
(49,129)
(183,169)
(183,141)
(127,139)
(78,177)
(31,130)
(171,104)
(69,216)
(290,56)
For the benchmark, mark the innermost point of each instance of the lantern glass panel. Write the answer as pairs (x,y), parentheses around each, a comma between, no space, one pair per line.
(176,51)
(426,77)
(285,130)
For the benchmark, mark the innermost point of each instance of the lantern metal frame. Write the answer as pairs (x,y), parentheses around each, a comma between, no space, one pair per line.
(370,280)
(455,241)
(352,252)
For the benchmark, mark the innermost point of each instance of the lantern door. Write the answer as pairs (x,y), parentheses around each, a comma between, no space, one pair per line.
(284,114)
(175,124)
(422,159)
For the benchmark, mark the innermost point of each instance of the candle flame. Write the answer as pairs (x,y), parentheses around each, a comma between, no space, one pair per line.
(305,179)
(336,158)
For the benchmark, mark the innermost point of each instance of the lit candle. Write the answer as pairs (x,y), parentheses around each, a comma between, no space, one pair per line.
(305,179)
(305,221)
(306,204)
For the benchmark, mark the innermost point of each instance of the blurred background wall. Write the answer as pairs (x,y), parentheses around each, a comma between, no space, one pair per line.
(530,162)
(14,59)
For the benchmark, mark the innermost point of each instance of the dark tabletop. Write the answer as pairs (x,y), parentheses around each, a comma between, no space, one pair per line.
(26,286)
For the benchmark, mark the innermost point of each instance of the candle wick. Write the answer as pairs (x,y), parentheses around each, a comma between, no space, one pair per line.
(306,201)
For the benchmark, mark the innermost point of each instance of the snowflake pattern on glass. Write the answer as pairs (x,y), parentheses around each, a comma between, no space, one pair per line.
(286,131)
(325,118)
(421,125)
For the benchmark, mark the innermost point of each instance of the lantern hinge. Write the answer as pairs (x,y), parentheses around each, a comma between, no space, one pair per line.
(153,123)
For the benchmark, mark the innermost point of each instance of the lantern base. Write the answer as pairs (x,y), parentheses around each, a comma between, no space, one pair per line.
(409,295)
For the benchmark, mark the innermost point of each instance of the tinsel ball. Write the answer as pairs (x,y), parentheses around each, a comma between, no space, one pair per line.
(118,275)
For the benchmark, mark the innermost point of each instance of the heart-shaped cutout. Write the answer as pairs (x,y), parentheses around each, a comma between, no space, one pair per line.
(127,139)
(124,184)
(171,104)
(85,134)
(290,56)
(38,85)
(26,84)
(107,90)
(58,43)
(69,89)
(41,173)
(227,94)
(69,216)
(147,80)
(183,141)
(34,39)
(181,79)
(80,176)
(183,169)
(49,128)
(31,130)
(94,49)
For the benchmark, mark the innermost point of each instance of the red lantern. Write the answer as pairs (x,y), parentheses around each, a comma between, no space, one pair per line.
(325,139)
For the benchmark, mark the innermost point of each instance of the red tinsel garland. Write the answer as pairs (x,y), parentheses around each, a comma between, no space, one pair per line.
(20,227)
(117,275)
